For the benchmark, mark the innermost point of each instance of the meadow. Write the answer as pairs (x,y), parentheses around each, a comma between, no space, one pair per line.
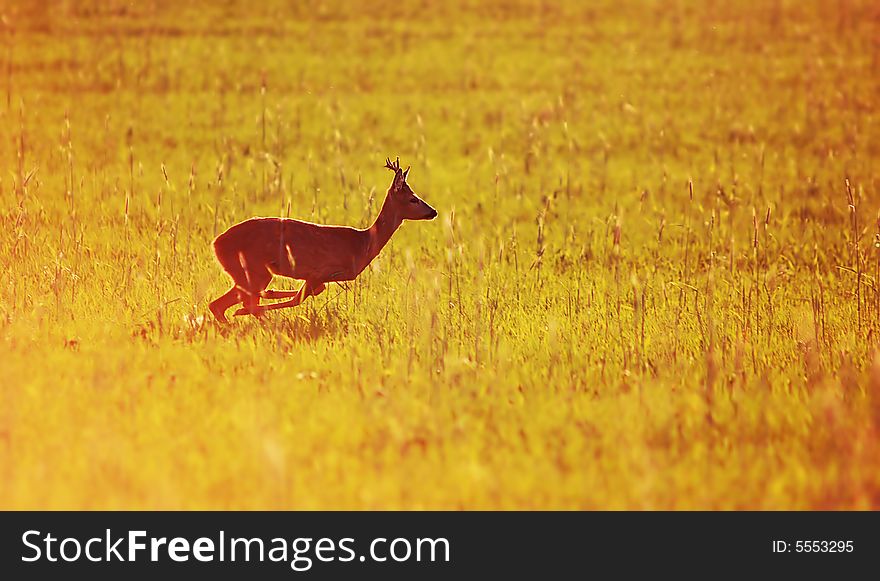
(654,282)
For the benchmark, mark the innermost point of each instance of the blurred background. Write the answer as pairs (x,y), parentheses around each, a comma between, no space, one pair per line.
(654,282)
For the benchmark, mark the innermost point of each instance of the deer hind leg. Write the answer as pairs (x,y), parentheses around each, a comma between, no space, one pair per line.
(250,278)
(250,293)
(220,305)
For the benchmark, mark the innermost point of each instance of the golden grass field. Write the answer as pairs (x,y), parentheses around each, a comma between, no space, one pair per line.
(654,282)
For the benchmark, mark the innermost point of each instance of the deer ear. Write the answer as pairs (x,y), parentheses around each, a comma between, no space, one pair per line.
(406,173)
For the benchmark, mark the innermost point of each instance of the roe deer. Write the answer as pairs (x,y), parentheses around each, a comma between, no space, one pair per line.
(253,250)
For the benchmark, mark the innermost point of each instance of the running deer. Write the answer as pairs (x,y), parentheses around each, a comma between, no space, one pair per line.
(253,250)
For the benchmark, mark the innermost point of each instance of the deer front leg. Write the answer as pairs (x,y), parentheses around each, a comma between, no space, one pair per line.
(275,294)
(307,290)
(299,296)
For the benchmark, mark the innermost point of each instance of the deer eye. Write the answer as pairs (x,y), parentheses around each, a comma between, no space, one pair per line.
(413,200)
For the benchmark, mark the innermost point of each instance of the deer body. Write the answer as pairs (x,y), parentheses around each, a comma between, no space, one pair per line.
(254,250)
(296,249)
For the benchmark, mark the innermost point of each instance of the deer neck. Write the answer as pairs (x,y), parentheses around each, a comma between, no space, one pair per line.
(386,224)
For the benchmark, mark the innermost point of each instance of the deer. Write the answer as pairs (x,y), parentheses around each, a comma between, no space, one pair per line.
(254,250)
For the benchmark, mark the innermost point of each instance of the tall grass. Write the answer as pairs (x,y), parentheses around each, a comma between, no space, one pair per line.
(653,283)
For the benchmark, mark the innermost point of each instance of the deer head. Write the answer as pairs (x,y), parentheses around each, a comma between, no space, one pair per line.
(405,202)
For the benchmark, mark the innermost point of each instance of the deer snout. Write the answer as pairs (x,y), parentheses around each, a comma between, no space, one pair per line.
(423,212)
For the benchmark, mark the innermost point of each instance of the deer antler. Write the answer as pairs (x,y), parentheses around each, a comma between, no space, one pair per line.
(395,167)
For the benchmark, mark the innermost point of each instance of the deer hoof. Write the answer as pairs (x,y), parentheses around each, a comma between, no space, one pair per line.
(258,311)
